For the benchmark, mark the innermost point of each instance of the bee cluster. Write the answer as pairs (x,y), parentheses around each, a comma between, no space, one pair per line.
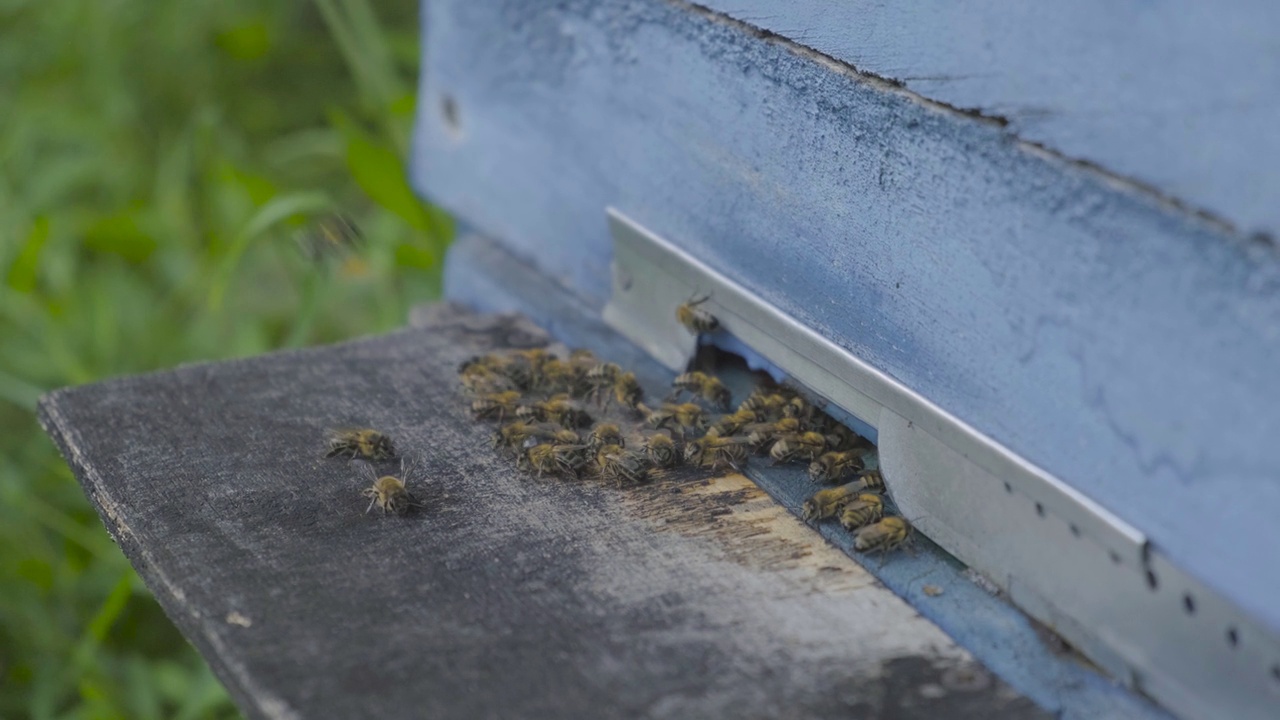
(581,417)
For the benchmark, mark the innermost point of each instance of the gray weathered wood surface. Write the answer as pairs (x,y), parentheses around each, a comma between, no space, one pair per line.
(504,596)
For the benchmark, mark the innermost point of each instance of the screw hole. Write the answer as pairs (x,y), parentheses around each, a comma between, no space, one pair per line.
(1233,637)
(1039,509)
(1275,673)
(1075,530)
(1153,582)
(1008,488)
(449,109)
(1189,603)
(1115,557)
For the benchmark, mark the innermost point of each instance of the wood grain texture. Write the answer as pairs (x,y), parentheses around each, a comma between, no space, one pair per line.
(504,596)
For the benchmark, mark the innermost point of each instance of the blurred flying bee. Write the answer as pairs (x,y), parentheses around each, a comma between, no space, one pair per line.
(605,434)
(495,405)
(826,503)
(333,235)
(705,386)
(717,452)
(733,423)
(551,459)
(695,319)
(686,416)
(833,466)
(626,390)
(862,510)
(884,535)
(558,409)
(661,450)
(761,434)
(389,493)
(797,446)
(620,466)
(360,443)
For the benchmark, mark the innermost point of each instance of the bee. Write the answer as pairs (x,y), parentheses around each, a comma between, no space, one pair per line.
(550,459)
(797,446)
(798,407)
(600,379)
(862,510)
(495,405)
(884,535)
(834,466)
(481,379)
(331,236)
(826,503)
(605,434)
(620,466)
(558,409)
(716,452)
(661,450)
(732,423)
(361,442)
(761,434)
(695,319)
(765,405)
(525,367)
(872,480)
(626,390)
(685,416)
(706,386)
(389,493)
(558,376)
(842,438)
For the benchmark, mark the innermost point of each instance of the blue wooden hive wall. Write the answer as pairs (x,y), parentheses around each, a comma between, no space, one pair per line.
(1057,224)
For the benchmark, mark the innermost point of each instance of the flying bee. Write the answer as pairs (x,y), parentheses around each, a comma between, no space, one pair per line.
(833,466)
(862,510)
(497,405)
(705,386)
(626,390)
(389,493)
(761,434)
(334,235)
(360,442)
(681,417)
(884,535)
(661,450)
(550,459)
(605,434)
(826,503)
(733,423)
(716,452)
(797,446)
(621,466)
(695,319)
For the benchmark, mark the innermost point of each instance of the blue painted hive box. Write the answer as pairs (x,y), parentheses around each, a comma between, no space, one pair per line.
(1032,251)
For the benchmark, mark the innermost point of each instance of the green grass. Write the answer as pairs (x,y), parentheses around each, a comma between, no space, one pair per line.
(157,158)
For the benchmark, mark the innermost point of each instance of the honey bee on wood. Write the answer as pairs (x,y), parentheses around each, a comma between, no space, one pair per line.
(733,423)
(705,386)
(797,446)
(695,319)
(661,450)
(627,391)
(717,452)
(551,459)
(826,503)
(834,466)
(360,443)
(559,409)
(558,376)
(389,493)
(686,416)
(605,434)
(620,466)
(524,367)
(484,374)
(495,405)
(884,535)
(862,510)
(799,408)
(761,434)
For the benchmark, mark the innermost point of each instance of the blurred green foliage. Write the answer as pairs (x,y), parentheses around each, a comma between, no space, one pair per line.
(157,159)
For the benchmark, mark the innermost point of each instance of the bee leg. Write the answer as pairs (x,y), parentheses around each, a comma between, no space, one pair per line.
(371,502)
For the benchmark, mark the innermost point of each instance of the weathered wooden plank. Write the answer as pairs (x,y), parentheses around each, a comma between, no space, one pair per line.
(1114,339)
(504,596)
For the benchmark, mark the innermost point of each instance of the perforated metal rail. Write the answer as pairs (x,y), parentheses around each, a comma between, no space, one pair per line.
(1058,555)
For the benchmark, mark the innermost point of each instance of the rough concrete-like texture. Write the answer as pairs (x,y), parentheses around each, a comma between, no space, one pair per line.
(504,596)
